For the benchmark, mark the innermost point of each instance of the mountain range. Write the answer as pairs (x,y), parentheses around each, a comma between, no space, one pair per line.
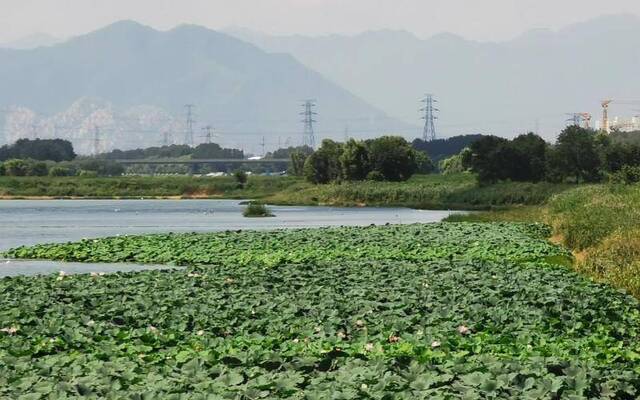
(32,41)
(506,88)
(242,91)
(126,85)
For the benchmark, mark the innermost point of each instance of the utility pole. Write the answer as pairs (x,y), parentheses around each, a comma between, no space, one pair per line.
(309,138)
(209,133)
(188,137)
(429,132)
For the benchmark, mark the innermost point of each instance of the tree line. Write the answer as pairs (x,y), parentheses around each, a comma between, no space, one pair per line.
(51,157)
(579,155)
(202,151)
(389,158)
(38,149)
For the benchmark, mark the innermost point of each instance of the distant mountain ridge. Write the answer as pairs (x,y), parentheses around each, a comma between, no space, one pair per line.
(245,93)
(505,88)
(32,41)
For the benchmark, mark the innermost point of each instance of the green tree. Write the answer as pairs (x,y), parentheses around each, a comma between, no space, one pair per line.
(298,159)
(37,168)
(575,155)
(288,151)
(354,161)
(323,166)
(214,150)
(531,152)
(488,158)
(393,157)
(424,163)
(39,149)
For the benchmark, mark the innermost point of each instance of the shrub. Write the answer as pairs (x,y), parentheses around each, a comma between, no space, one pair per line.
(255,209)
(87,174)
(616,260)
(375,176)
(37,168)
(241,178)
(16,167)
(627,175)
(454,164)
(60,171)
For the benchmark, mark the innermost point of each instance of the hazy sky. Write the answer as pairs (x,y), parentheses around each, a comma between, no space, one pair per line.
(473,19)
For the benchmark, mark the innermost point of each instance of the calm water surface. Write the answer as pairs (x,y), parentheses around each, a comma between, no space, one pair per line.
(27,222)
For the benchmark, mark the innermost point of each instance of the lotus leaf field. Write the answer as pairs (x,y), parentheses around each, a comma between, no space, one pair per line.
(442,311)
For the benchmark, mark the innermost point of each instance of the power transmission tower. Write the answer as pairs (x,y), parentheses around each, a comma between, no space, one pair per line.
(34,131)
(209,133)
(309,138)
(96,140)
(429,132)
(262,144)
(346,133)
(166,137)
(188,137)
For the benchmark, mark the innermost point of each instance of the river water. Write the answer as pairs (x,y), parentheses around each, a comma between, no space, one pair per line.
(27,222)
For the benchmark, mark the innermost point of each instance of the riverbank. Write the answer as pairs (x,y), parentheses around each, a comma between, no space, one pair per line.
(454,192)
(599,223)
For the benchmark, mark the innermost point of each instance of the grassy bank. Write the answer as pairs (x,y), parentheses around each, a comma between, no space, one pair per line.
(403,312)
(426,192)
(600,223)
(142,186)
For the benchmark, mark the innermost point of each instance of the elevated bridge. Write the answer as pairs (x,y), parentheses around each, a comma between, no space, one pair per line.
(202,161)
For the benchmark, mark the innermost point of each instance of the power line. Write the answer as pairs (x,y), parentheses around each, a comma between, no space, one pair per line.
(429,132)
(309,138)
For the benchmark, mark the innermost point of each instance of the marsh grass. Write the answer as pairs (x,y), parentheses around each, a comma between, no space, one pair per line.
(257,210)
(599,223)
(455,192)
(143,186)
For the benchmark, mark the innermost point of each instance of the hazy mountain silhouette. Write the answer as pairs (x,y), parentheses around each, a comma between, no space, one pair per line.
(32,41)
(500,88)
(242,91)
